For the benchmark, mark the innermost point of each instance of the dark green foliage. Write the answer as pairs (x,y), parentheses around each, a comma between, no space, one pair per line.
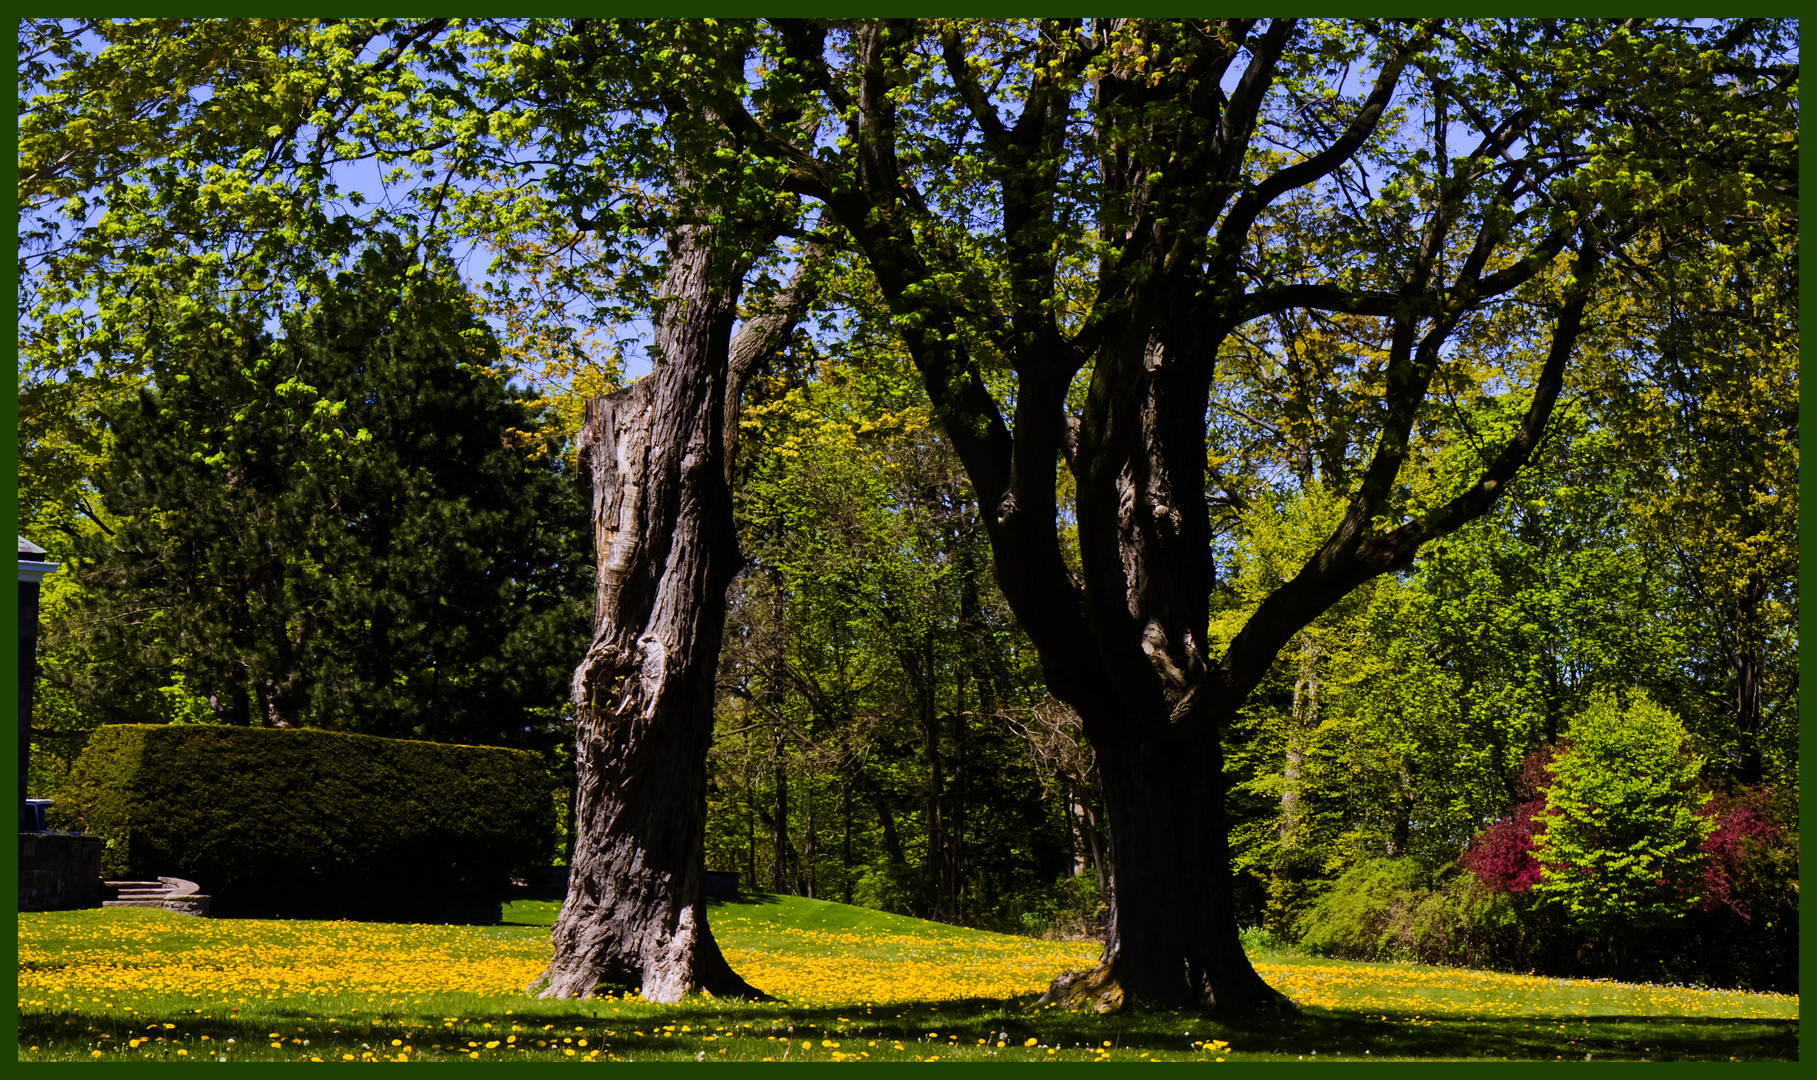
(359,526)
(212,573)
(465,611)
(312,823)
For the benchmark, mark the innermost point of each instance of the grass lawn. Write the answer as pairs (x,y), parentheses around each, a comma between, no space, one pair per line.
(136,984)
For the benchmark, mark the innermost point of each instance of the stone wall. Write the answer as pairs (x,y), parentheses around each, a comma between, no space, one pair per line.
(58,871)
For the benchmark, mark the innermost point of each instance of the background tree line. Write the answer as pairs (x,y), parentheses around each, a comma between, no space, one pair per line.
(884,737)
(348,520)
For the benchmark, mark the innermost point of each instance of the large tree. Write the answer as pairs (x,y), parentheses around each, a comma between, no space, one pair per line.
(1052,201)
(1068,222)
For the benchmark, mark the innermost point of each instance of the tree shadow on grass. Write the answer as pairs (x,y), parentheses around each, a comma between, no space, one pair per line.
(942,1027)
(1565,1036)
(743,896)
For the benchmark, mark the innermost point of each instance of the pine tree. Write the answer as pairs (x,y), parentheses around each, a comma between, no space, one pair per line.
(358,525)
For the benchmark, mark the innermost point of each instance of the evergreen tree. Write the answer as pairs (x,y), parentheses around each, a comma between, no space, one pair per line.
(462,608)
(358,526)
(208,584)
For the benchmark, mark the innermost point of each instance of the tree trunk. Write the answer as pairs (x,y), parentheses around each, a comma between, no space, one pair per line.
(892,842)
(934,795)
(1087,825)
(1403,817)
(1172,936)
(805,874)
(656,460)
(1289,870)
(1747,683)
(750,835)
(1075,834)
(845,842)
(653,459)
(232,706)
(779,824)
(954,863)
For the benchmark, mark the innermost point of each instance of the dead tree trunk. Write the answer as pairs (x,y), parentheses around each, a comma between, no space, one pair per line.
(655,459)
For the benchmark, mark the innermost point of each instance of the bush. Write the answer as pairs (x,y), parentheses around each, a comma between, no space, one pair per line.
(1069,909)
(1258,939)
(308,823)
(895,888)
(1739,928)
(1399,909)
(1745,931)
(1622,849)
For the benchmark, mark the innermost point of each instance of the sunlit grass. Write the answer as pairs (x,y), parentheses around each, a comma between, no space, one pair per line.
(854,985)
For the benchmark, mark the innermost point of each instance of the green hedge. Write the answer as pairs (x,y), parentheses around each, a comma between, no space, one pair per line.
(306,823)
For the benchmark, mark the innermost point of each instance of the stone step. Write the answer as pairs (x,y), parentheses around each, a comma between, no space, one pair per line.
(169,893)
(176,886)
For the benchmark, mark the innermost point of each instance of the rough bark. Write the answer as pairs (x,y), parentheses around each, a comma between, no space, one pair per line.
(654,461)
(1172,934)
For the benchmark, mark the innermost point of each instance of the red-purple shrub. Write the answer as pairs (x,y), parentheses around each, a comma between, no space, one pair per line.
(1501,856)
(1536,771)
(1744,826)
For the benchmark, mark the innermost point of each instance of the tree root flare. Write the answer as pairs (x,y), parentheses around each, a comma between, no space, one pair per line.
(1099,990)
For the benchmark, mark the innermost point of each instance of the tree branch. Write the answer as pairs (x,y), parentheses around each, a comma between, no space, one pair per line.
(1250,204)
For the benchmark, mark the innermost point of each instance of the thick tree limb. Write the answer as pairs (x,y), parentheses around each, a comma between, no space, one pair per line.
(762,337)
(1351,557)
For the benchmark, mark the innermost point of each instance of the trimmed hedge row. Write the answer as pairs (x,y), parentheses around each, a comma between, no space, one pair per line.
(308,823)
